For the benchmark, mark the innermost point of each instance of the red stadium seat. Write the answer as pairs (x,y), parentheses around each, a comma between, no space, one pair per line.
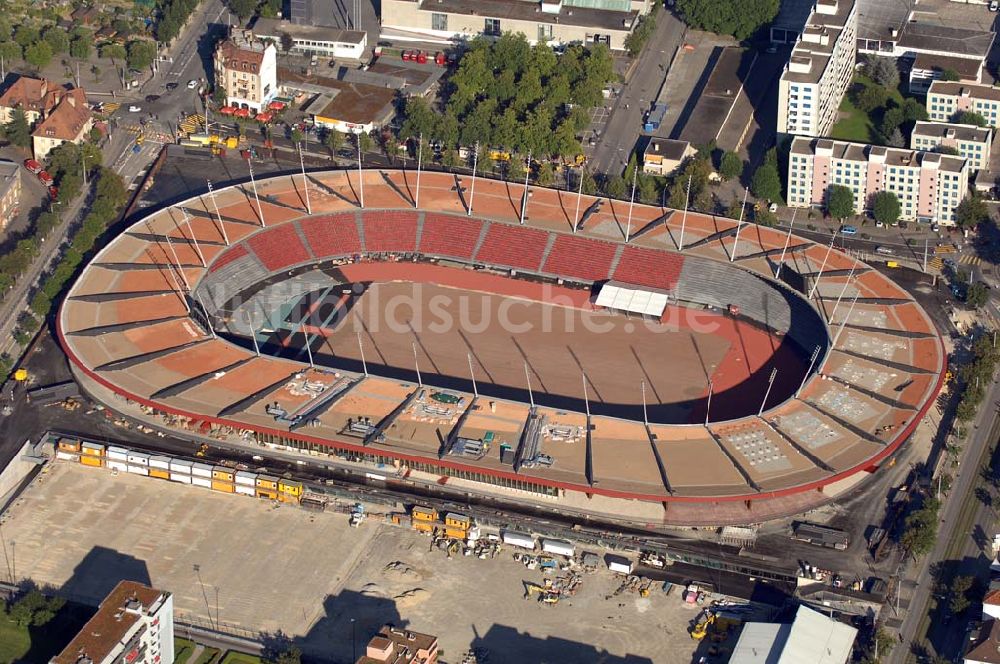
(278,247)
(332,235)
(649,267)
(578,257)
(445,235)
(228,256)
(390,231)
(513,246)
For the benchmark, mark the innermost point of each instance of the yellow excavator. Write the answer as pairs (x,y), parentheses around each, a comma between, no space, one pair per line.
(700,628)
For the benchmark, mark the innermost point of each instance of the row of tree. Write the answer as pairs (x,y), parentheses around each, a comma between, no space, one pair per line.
(247,8)
(37,47)
(739,18)
(976,377)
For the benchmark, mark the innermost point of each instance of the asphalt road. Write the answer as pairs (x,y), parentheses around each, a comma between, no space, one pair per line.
(621,133)
(965,524)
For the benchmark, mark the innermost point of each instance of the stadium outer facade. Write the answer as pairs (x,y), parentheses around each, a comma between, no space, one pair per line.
(133,329)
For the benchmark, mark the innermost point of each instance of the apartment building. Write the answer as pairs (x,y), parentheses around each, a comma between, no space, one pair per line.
(945,99)
(10,191)
(134,624)
(663,156)
(819,70)
(969,141)
(929,185)
(393,645)
(70,121)
(246,68)
(555,21)
(37,97)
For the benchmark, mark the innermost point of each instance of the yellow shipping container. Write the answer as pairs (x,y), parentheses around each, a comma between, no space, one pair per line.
(264,493)
(461,521)
(224,487)
(159,472)
(267,482)
(92,461)
(424,514)
(68,445)
(455,533)
(232,142)
(93,449)
(224,474)
(290,488)
(288,498)
(423,526)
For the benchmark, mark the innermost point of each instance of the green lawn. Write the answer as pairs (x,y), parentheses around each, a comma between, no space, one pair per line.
(856,125)
(233,657)
(40,644)
(182,650)
(208,655)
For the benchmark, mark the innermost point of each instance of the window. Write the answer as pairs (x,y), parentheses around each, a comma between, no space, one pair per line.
(440,22)
(544,32)
(492,26)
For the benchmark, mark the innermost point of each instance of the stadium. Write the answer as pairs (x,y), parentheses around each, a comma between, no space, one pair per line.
(532,343)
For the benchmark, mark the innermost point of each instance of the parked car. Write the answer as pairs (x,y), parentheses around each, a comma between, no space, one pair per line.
(994,5)
(192,84)
(848,230)
(134,109)
(53,193)
(885,251)
(772,208)
(45,178)
(33,166)
(152,98)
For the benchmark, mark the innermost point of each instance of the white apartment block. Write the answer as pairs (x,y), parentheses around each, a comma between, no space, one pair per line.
(971,142)
(929,185)
(247,70)
(945,99)
(134,625)
(819,70)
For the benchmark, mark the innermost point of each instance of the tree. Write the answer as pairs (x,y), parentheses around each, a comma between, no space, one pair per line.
(18,131)
(920,528)
(80,47)
(766,183)
(114,52)
(883,71)
(333,140)
(731,166)
(38,55)
(546,174)
(977,295)
(885,207)
(420,119)
(971,212)
(26,35)
(840,202)
(970,118)
(895,139)
(287,42)
(140,54)
(365,141)
(960,587)
(34,609)
(242,8)
(10,50)
(913,110)
(869,97)
(891,119)
(947,149)
(297,136)
(614,186)
(57,39)
(739,18)
(949,75)
(640,34)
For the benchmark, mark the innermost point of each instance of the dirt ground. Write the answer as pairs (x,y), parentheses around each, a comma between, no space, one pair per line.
(259,566)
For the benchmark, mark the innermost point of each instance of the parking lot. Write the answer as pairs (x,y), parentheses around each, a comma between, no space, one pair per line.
(261,566)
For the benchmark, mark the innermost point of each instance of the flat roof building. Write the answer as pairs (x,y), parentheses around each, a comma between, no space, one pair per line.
(812,637)
(393,645)
(969,141)
(345,106)
(10,191)
(946,99)
(663,156)
(929,185)
(314,39)
(134,624)
(819,70)
(555,21)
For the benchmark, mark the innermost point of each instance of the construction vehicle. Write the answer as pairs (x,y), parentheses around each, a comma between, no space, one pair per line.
(701,625)
(21,375)
(644,588)
(357,515)
(202,450)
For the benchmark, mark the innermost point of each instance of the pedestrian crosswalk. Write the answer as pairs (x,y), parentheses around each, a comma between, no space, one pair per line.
(935,264)
(970,260)
(944,249)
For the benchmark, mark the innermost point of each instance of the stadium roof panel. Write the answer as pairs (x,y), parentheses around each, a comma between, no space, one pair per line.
(834,431)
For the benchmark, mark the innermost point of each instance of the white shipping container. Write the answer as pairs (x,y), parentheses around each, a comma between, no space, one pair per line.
(117,453)
(518,539)
(138,470)
(183,478)
(243,477)
(558,547)
(138,459)
(162,462)
(619,565)
(245,490)
(201,470)
(67,456)
(117,465)
(180,466)
(201,481)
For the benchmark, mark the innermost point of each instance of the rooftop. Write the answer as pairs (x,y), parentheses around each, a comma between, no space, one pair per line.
(863,152)
(33,94)
(117,614)
(987,647)
(357,103)
(968,69)
(273,27)
(521,10)
(812,637)
(961,132)
(957,89)
(667,148)
(393,645)
(819,37)
(959,42)
(68,118)
(242,53)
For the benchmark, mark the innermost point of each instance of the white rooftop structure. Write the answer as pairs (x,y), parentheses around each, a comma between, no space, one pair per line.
(632,300)
(812,637)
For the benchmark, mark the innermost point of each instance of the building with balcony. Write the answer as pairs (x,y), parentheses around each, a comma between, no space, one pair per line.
(394,645)
(10,191)
(946,99)
(969,141)
(929,185)
(319,40)
(134,624)
(819,70)
(70,121)
(663,156)
(246,69)
(554,21)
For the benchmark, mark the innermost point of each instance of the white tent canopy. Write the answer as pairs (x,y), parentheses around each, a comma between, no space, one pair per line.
(632,299)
